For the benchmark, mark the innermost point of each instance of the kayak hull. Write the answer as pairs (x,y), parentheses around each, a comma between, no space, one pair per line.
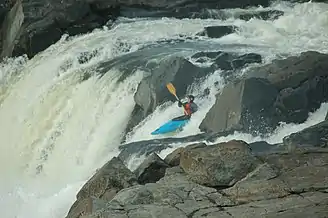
(171,126)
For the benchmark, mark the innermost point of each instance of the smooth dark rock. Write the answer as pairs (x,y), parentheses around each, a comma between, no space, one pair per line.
(217,31)
(263,15)
(245,106)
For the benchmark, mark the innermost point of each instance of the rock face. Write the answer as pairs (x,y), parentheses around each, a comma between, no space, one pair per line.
(103,186)
(218,165)
(316,135)
(246,105)
(50,19)
(10,28)
(286,91)
(152,90)
(217,31)
(280,184)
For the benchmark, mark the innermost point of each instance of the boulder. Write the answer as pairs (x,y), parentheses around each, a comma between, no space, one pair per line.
(152,90)
(102,187)
(313,136)
(220,165)
(283,91)
(217,31)
(151,169)
(112,176)
(281,184)
(245,105)
(293,71)
(174,195)
(173,159)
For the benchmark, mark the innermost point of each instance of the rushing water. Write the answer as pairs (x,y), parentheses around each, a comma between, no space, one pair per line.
(56,128)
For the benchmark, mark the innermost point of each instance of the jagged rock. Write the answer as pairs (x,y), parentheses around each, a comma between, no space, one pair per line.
(103,186)
(244,105)
(220,165)
(113,175)
(172,191)
(151,169)
(281,184)
(313,136)
(173,159)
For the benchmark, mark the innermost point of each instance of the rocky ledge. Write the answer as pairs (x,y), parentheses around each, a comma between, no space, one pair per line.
(24,22)
(222,180)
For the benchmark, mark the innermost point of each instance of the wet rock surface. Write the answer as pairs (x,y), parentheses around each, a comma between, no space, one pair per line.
(49,19)
(279,184)
(283,91)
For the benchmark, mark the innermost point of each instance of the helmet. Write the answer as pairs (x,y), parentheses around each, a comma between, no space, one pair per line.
(191,97)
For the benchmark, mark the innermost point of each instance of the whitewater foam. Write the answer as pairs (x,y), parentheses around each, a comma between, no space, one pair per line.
(57,129)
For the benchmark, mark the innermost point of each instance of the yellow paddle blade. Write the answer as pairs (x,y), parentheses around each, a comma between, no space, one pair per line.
(171,89)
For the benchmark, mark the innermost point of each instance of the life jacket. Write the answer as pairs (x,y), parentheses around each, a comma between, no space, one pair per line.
(188,110)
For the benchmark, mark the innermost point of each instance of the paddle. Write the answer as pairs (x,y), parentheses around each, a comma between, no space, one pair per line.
(173,91)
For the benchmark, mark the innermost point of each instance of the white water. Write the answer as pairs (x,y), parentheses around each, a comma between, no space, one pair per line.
(50,118)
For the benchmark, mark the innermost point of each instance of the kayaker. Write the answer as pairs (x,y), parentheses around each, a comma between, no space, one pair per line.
(190,107)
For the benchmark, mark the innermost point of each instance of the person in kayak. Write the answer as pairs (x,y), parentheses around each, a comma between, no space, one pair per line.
(190,107)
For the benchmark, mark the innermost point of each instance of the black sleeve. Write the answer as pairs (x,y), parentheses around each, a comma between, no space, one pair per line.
(180,104)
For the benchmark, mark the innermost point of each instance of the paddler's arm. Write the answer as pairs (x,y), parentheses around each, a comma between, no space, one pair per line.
(180,104)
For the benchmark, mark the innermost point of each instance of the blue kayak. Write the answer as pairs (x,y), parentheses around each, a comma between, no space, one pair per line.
(171,126)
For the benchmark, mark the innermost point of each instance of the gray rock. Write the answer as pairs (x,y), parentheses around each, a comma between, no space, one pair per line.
(151,169)
(10,29)
(245,105)
(102,187)
(260,184)
(173,159)
(283,91)
(283,184)
(86,206)
(152,90)
(313,136)
(296,205)
(113,175)
(219,165)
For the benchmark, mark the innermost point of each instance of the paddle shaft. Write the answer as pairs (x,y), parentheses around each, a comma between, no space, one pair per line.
(172,90)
